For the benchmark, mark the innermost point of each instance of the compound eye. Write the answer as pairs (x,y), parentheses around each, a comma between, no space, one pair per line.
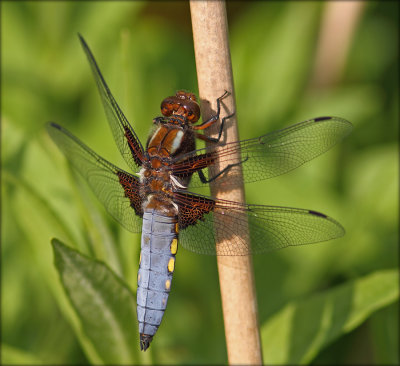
(167,107)
(166,112)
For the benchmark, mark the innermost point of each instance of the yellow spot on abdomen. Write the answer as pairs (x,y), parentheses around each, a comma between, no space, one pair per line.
(167,284)
(177,228)
(171,264)
(140,258)
(174,246)
(138,277)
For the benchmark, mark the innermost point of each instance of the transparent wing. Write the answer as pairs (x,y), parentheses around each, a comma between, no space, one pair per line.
(267,156)
(204,221)
(125,137)
(116,189)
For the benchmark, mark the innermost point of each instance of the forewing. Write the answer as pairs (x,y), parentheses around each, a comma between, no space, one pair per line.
(116,189)
(227,223)
(125,137)
(270,155)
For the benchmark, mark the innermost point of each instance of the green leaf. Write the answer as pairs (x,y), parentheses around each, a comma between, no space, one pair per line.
(384,327)
(300,330)
(15,356)
(104,304)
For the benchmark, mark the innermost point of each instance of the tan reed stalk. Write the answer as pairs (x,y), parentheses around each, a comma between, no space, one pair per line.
(214,73)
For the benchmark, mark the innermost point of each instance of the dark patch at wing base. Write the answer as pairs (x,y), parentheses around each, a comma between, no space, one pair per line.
(192,208)
(135,147)
(130,184)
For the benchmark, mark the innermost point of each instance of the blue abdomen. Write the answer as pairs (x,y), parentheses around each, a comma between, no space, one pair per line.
(157,262)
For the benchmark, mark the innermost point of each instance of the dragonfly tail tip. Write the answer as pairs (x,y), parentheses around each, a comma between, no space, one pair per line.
(145,340)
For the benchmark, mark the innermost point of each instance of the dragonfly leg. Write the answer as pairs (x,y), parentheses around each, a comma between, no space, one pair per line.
(214,119)
(225,170)
(221,128)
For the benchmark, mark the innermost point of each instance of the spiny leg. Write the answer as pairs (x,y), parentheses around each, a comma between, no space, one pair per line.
(203,178)
(214,119)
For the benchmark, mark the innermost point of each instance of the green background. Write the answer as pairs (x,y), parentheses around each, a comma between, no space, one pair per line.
(145,52)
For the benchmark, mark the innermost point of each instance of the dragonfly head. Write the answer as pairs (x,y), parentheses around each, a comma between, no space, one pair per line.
(181,104)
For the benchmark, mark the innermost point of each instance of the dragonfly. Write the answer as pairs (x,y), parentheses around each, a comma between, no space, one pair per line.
(154,198)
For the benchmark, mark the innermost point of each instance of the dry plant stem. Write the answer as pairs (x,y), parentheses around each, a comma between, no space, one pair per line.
(214,72)
(339,22)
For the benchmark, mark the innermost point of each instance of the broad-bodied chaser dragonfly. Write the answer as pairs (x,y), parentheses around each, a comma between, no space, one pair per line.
(156,202)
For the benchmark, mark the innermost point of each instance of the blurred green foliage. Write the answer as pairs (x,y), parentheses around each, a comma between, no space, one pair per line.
(145,52)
